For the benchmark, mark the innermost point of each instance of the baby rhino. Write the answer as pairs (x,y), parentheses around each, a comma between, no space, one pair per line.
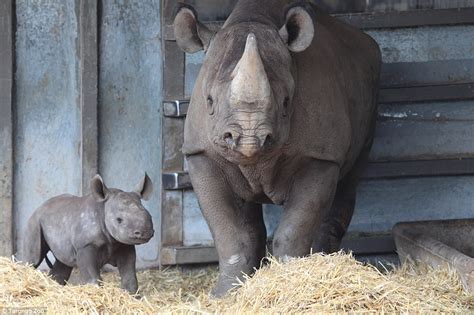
(91,231)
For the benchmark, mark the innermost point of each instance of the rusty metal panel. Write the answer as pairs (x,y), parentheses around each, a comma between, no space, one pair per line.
(130,100)
(6,127)
(47,117)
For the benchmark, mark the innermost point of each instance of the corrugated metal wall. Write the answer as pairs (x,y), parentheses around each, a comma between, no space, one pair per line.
(409,131)
(48,110)
(47,119)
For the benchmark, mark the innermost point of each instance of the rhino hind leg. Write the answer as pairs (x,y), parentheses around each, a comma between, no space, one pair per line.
(334,227)
(328,239)
(60,272)
(34,247)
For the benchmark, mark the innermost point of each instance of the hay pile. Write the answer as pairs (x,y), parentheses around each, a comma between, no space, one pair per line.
(333,283)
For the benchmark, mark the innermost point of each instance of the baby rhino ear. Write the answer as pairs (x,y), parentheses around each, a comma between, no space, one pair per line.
(98,188)
(145,188)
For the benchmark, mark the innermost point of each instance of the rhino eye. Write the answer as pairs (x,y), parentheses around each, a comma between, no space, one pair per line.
(286,102)
(210,105)
(119,220)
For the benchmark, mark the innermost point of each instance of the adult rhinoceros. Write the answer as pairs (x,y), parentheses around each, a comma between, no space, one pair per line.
(282,112)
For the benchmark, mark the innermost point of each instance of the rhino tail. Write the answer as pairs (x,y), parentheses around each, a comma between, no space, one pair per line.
(32,251)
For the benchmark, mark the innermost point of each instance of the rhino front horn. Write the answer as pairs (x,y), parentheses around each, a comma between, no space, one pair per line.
(250,82)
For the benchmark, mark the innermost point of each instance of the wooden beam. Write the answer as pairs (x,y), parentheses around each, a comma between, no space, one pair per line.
(452,92)
(6,127)
(172,136)
(398,169)
(181,255)
(381,20)
(88,74)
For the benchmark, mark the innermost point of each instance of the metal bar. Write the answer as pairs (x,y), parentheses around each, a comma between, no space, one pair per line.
(380,20)
(175,181)
(179,255)
(175,109)
(375,170)
(429,73)
(427,93)
(88,73)
(6,127)
(387,95)
(412,18)
(396,169)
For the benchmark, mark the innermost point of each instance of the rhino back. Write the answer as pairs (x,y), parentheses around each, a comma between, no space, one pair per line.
(335,100)
(68,223)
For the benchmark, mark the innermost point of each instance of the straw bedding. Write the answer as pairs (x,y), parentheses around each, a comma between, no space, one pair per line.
(318,283)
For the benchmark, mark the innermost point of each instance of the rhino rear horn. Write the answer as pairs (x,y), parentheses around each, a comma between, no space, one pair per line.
(191,35)
(145,187)
(298,31)
(98,188)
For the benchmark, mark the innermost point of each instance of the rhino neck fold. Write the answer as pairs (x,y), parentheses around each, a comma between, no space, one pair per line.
(100,210)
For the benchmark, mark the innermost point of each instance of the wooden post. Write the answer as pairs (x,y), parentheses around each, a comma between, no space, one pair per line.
(172,136)
(6,127)
(88,87)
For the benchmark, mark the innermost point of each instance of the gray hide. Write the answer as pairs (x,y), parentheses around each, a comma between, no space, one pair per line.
(282,112)
(91,231)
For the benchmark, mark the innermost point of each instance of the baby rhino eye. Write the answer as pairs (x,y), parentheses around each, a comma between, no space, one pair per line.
(119,220)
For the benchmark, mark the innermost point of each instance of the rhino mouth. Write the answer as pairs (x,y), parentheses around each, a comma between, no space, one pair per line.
(140,239)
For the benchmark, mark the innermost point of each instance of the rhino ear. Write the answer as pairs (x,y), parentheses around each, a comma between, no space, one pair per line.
(98,188)
(298,31)
(145,188)
(191,35)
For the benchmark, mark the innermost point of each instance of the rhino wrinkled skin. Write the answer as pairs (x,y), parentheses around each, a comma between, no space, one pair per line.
(283,111)
(91,231)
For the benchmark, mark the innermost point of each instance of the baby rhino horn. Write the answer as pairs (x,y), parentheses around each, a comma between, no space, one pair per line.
(250,82)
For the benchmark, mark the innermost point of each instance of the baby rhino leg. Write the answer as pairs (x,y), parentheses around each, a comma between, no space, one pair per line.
(88,265)
(60,272)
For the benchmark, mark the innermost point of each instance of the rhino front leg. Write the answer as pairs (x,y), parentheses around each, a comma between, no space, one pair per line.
(237,226)
(307,204)
(126,259)
(88,265)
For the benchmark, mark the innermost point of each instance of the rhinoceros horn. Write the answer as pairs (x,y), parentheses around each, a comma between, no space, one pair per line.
(250,82)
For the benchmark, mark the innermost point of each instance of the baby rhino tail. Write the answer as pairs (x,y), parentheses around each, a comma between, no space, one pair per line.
(31,249)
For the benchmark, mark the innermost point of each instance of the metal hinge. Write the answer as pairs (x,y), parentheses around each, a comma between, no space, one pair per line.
(175,109)
(176,181)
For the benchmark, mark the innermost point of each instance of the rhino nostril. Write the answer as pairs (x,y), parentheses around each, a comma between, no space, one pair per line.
(268,140)
(137,233)
(119,220)
(228,138)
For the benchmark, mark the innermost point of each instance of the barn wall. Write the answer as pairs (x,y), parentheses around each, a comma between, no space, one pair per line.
(47,121)
(408,131)
(130,103)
